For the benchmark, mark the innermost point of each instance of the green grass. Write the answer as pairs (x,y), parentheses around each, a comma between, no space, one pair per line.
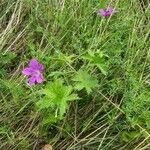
(97,70)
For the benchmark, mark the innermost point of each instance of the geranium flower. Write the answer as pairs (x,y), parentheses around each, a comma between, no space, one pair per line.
(34,72)
(108,12)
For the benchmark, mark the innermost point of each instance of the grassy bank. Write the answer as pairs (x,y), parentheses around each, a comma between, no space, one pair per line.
(96,69)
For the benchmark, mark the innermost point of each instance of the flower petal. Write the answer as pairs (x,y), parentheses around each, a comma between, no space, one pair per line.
(102,12)
(27,71)
(40,67)
(34,63)
(40,78)
(108,14)
(110,9)
(32,80)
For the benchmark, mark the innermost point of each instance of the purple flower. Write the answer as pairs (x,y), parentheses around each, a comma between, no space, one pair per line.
(108,12)
(34,72)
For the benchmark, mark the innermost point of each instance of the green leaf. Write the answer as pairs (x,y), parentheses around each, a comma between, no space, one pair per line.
(56,95)
(99,60)
(85,80)
(44,103)
(50,118)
